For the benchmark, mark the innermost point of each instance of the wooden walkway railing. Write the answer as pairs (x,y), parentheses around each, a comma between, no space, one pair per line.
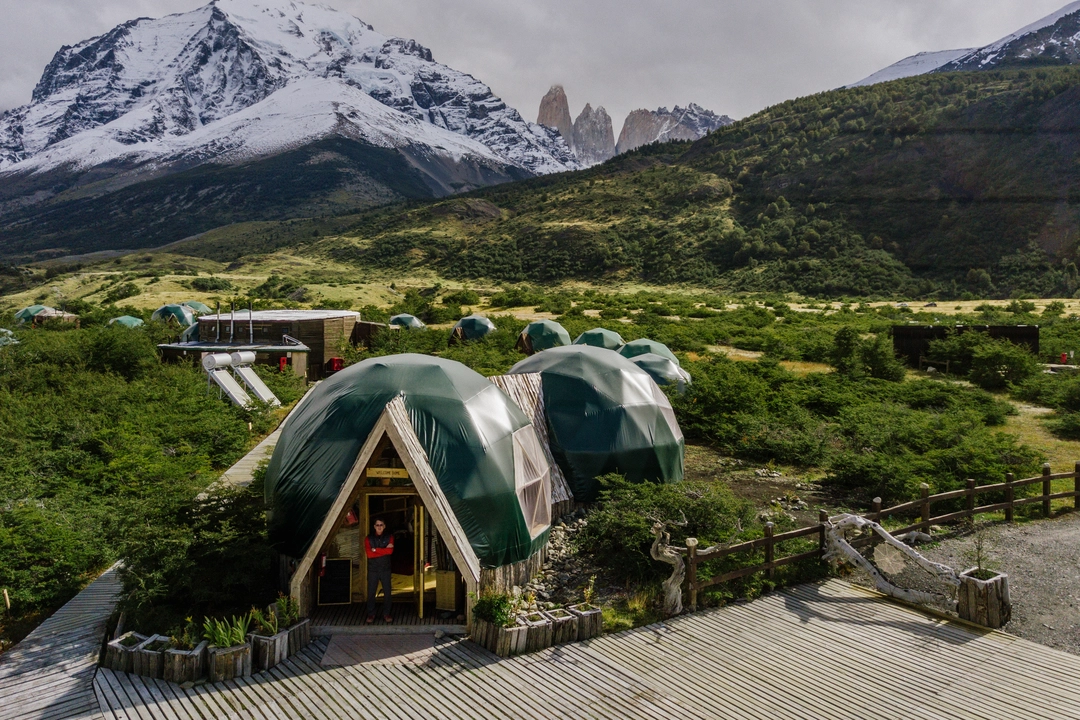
(922,508)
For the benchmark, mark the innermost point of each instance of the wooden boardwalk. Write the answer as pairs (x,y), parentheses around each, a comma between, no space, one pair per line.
(50,674)
(828,650)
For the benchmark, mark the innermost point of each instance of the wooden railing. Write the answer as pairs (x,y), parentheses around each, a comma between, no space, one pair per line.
(921,508)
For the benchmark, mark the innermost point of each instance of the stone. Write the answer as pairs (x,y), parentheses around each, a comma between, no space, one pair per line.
(648,126)
(555,113)
(439,634)
(594,140)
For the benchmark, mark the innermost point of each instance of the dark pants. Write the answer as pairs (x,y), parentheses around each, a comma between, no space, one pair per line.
(374,577)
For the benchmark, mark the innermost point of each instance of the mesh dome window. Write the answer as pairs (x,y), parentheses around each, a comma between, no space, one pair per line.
(532,476)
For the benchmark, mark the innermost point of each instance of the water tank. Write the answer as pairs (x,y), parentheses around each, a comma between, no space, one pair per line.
(217,360)
(243,358)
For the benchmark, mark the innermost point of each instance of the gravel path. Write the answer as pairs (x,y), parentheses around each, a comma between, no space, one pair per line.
(1042,560)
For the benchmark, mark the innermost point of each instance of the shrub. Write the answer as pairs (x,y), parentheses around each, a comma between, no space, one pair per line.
(121,292)
(462,297)
(998,363)
(496,608)
(210,284)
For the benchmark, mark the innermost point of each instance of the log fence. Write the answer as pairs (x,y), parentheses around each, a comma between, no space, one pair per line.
(921,508)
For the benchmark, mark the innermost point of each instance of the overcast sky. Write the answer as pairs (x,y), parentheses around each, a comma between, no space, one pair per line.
(732,56)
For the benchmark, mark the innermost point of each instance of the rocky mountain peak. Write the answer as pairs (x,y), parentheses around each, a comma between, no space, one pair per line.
(661,125)
(555,113)
(594,139)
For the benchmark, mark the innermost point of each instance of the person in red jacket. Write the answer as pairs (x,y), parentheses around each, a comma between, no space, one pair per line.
(379,546)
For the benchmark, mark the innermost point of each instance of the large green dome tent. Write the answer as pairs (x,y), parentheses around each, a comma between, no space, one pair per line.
(472,327)
(605,415)
(182,314)
(645,346)
(542,335)
(29,313)
(407,322)
(663,371)
(197,307)
(602,338)
(469,429)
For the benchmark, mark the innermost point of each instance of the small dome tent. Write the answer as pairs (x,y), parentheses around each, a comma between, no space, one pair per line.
(644,346)
(604,415)
(472,327)
(126,321)
(197,307)
(542,335)
(408,322)
(663,371)
(601,338)
(182,314)
(472,456)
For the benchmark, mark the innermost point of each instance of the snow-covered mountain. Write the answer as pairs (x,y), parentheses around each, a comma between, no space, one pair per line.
(243,79)
(648,126)
(1055,39)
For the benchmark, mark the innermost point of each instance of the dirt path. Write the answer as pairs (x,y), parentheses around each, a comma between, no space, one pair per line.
(1042,560)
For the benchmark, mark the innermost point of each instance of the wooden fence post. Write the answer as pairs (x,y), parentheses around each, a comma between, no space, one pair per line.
(823,519)
(1076,486)
(769,550)
(1046,490)
(691,579)
(876,516)
(925,490)
(1009,479)
(971,499)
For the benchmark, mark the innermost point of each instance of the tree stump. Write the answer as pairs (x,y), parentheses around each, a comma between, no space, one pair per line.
(229,663)
(539,632)
(268,651)
(564,626)
(147,659)
(119,652)
(185,666)
(590,620)
(984,602)
(299,636)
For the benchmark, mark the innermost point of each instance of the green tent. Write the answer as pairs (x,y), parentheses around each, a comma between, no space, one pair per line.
(644,347)
(663,371)
(601,338)
(127,321)
(7,338)
(472,327)
(29,313)
(198,307)
(542,335)
(409,322)
(605,415)
(465,424)
(180,313)
(191,334)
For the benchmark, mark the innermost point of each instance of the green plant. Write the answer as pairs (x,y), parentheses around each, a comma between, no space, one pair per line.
(588,591)
(226,633)
(287,609)
(495,608)
(187,636)
(265,623)
(979,554)
(121,292)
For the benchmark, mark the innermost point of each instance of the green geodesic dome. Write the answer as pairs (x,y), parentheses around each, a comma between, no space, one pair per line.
(600,337)
(644,347)
(407,321)
(605,415)
(127,321)
(29,313)
(182,314)
(468,427)
(663,371)
(474,327)
(197,307)
(543,335)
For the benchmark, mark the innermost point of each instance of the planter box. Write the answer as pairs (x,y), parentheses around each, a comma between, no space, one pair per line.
(185,666)
(590,620)
(564,626)
(148,658)
(299,636)
(268,650)
(539,634)
(120,652)
(984,602)
(502,641)
(229,663)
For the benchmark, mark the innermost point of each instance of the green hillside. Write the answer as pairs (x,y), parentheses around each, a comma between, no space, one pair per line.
(944,184)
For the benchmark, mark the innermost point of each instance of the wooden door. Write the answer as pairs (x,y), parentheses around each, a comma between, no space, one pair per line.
(418,557)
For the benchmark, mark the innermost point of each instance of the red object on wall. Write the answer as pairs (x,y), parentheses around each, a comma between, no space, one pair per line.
(335,364)
(1064,358)
(322,564)
(283,363)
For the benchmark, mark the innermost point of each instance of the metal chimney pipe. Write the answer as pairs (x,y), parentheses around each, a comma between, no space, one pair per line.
(232,321)
(251,325)
(218,313)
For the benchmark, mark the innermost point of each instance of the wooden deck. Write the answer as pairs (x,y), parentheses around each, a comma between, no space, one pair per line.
(828,650)
(50,674)
(351,620)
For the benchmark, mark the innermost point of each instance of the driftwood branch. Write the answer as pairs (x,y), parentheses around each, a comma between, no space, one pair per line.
(838,549)
(661,550)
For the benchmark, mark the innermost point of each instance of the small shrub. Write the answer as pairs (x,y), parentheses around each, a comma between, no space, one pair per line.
(997,364)
(121,292)
(211,284)
(496,609)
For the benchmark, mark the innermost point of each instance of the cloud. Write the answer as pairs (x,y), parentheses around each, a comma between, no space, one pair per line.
(732,56)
